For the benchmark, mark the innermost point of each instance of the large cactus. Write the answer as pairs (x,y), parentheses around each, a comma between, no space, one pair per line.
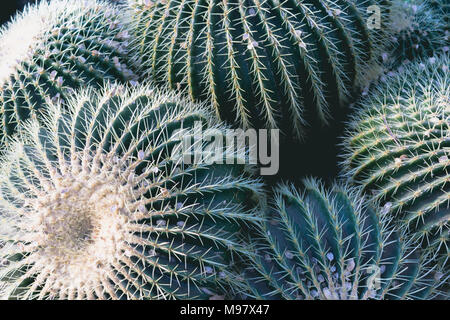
(326,244)
(398,149)
(97,204)
(52,48)
(261,63)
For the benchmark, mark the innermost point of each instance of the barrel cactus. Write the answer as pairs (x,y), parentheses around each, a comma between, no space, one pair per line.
(52,48)
(263,64)
(96,204)
(397,149)
(327,244)
(420,29)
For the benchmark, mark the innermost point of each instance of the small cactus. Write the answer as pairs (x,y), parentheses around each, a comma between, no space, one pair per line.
(328,245)
(53,48)
(420,29)
(94,205)
(263,64)
(397,149)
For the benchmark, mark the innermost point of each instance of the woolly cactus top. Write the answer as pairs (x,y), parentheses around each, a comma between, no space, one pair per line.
(328,244)
(397,148)
(20,38)
(94,205)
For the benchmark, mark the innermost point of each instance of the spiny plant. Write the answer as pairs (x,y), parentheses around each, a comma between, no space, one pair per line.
(260,63)
(51,49)
(328,244)
(420,29)
(97,204)
(397,149)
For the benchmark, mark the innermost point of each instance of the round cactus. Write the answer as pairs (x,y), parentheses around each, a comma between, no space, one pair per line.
(326,244)
(52,48)
(266,64)
(397,148)
(96,204)
(420,29)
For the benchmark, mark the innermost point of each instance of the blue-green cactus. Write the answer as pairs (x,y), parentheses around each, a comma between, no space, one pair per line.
(420,29)
(327,244)
(96,204)
(397,149)
(271,64)
(54,47)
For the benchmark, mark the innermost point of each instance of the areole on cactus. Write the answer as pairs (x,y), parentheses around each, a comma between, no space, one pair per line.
(94,204)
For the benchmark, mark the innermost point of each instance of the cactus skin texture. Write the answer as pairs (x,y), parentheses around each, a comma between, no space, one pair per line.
(262,64)
(93,206)
(52,48)
(398,150)
(421,29)
(327,244)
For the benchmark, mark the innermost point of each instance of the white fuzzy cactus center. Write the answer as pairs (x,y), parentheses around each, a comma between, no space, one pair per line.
(80,222)
(19,42)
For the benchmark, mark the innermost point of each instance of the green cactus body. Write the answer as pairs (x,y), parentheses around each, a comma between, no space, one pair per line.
(52,48)
(325,244)
(95,204)
(266,64)
(398,149)
(420,29)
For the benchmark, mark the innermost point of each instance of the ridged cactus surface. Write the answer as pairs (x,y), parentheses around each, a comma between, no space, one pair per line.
(398,149)
(55,47)
(260,63)
(326,244)
(95,205)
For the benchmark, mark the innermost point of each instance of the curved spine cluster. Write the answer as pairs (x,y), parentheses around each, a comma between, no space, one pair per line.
(398,150)
(260,63)
(328,245)
(97,205)
(55,47)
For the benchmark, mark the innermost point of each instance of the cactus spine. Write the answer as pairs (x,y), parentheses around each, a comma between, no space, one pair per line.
(398,149)
(95,205)
(261,63)
(325,244)
(53,48)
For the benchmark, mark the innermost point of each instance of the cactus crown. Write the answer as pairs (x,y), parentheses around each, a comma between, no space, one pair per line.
(420,29)
(267,63)
(94,204)
(321,244)
(397,148)
(52,48)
